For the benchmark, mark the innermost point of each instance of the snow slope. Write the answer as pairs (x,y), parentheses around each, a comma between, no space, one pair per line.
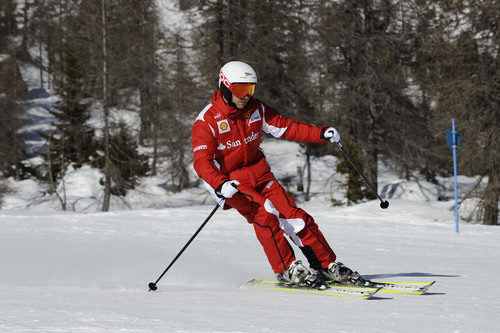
(88,272)
(85,271)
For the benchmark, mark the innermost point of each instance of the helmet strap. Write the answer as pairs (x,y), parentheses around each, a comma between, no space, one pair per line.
(227,94)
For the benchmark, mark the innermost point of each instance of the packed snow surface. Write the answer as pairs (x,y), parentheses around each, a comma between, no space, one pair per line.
(85,271)
(88,272)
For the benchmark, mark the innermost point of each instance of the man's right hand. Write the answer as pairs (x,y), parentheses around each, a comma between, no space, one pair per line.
(227,189)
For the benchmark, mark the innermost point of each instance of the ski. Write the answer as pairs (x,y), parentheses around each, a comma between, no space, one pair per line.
(333,290)
(414,288)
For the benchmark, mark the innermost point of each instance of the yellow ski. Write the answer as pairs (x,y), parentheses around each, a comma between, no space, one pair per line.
(345,291)
(414,288)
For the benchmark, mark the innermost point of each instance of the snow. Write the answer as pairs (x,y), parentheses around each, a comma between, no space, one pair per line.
(88,272)
(4,57)
(37,108)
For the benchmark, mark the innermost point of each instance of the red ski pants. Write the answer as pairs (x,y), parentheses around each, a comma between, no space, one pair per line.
(273,213)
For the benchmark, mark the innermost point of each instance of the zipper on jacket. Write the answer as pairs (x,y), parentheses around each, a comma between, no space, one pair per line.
(241,131)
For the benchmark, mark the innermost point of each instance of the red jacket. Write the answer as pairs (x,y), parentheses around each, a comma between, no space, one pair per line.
(226,140)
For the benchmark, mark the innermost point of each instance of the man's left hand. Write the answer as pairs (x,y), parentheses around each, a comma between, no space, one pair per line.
(331,134)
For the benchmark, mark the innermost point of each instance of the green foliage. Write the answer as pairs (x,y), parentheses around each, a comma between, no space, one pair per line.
(12,147)
(8,26)
(127,164)
(387,74)
(73,140)
(4,189)
(357,189)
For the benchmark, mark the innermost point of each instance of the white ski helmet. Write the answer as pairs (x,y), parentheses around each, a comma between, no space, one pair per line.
(237,77)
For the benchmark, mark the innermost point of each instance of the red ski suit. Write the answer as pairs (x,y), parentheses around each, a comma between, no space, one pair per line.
(225,144)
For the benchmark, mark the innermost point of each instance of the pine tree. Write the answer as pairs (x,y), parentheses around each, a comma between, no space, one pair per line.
(73,140)
(127,164)
(4,189)
(174,134)
(354,184)
(12,147)
(8,25)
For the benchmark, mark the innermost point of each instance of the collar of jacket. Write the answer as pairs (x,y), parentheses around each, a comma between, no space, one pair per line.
(227,110)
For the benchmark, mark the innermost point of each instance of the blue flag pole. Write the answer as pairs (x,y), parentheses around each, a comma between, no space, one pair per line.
(455,142)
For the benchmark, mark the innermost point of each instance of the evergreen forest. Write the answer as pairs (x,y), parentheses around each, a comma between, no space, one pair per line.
(389,75)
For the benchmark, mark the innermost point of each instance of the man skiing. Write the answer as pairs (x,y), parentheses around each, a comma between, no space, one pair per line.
(225,140)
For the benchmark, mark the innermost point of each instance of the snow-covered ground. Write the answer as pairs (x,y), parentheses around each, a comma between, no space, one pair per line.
(88,272)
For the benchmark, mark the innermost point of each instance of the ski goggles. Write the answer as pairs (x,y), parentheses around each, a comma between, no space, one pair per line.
(241,90)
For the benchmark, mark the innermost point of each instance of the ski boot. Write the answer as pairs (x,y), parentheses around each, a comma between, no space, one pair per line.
(299,275)
(340,273)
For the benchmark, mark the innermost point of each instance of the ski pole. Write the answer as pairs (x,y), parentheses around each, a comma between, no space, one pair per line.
(383,204)
(152,285)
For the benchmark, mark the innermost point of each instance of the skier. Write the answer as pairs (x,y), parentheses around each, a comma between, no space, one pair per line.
(225,139)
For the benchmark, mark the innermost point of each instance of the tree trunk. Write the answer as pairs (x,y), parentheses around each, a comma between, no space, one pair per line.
(40,60)
(300,181)
(53,185)
(155,144)
(107,163)
(371,150)
(308,178)
(490,201)
(372,171)
(220,30)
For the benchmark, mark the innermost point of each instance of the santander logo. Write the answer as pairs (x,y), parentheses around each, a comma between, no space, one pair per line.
(237,143)
(252,137)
